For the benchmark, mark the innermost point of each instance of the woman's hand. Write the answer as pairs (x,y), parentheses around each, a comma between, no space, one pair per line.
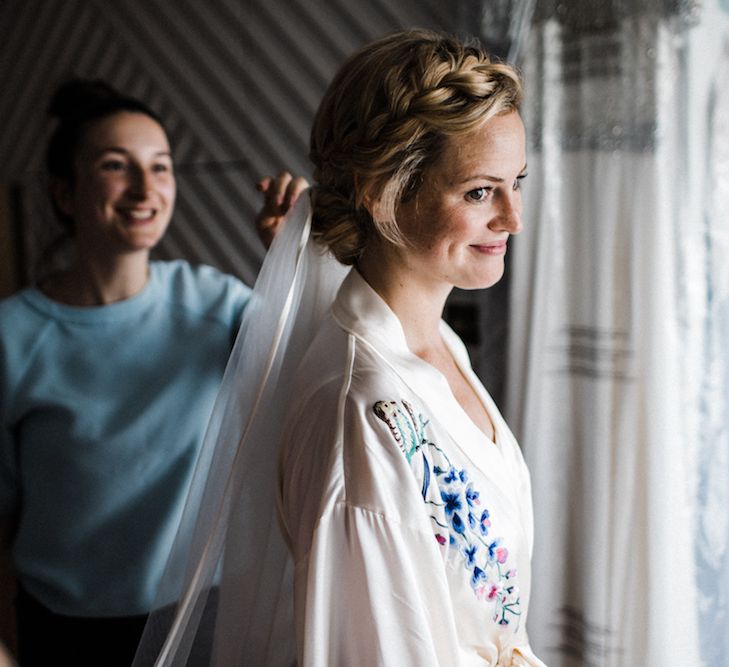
(279,195)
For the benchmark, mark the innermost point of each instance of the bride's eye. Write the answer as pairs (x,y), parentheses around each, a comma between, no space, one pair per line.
(478,194)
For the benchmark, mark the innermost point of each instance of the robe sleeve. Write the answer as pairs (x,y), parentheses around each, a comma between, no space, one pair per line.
(370,587)
(374,595)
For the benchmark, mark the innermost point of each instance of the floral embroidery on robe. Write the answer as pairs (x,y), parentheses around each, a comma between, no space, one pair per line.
(459,520)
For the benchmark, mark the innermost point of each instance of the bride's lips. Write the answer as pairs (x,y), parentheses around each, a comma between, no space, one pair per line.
(495,248)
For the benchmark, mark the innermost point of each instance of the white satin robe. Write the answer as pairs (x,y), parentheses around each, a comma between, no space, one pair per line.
(411,532)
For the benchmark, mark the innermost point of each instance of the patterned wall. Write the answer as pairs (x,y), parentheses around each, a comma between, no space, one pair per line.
(237,82)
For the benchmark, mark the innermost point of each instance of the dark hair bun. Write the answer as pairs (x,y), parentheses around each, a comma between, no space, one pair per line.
(82,98)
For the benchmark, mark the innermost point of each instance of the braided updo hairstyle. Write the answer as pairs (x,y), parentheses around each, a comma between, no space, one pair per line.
(384,120)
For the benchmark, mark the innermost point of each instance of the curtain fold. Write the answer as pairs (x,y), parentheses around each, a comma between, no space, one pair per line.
(619,345)
(712,393)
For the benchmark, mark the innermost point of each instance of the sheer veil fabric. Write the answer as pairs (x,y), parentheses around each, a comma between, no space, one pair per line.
(229,559)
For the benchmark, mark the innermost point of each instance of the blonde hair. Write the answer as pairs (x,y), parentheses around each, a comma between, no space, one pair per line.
(384,120)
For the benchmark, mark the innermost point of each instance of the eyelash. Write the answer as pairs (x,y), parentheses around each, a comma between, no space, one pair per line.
(487,190)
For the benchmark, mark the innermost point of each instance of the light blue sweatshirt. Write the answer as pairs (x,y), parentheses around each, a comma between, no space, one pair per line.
(102,412)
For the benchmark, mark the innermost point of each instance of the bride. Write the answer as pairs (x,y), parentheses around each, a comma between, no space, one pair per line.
(401,494)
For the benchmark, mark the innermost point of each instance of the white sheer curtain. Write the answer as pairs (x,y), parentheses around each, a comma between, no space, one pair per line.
(712,398)
(619,353)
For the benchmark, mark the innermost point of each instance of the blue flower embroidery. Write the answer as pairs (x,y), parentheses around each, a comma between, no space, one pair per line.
(496,552)
(484,523)
(457,524)
(454,503)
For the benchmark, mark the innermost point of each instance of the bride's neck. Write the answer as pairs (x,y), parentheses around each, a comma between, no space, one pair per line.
(417,301)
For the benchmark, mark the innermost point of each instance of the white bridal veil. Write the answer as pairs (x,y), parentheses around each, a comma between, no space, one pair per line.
(229,558)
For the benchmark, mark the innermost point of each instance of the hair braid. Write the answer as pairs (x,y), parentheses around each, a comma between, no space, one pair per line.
(383,121)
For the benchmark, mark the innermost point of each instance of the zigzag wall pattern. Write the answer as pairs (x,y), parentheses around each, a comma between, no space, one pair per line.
(237,82)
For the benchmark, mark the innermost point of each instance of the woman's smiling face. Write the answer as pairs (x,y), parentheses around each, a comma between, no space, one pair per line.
(468,205)
(123,193)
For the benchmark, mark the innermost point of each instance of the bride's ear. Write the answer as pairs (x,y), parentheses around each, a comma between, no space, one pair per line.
(364,198)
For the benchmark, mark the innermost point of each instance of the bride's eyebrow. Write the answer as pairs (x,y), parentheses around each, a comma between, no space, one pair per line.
(486,177)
